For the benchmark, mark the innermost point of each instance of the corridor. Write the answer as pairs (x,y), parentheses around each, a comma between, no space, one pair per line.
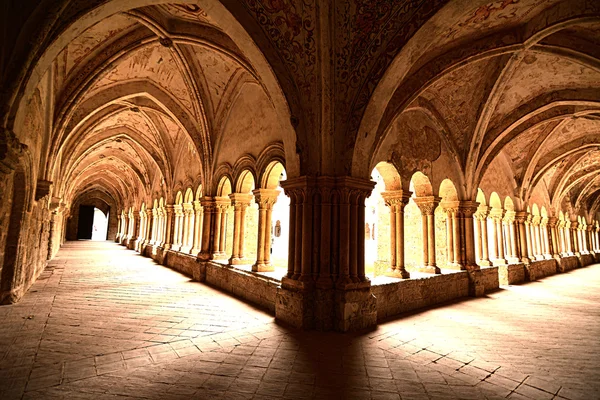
(105,322)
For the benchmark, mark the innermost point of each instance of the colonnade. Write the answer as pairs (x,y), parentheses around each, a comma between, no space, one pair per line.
(199,227)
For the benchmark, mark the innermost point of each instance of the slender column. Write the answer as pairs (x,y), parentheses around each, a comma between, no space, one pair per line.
(265,198)
(481,222)
(509,219)
(208,205)
(553,237)
(529,236)
(149,227)
(241,202)
(427,205)
(188,227)
(177,227)
(546,237)
(467,259)
(221,205)
(520,219)
(169,222)
(396,201)
(496,216)
(450,258)
(198,216)
(574,238)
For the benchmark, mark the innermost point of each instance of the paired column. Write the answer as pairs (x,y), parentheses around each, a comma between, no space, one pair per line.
(521,218)
(574,234)
(553,236)
(481,234)
(241,202)
(188,227)
(168,227)
(427,205)
(149,228)
(265,198)
(177,227)
(221,205)
(452,234)
(396,200)
(496,215)
(511,239)
(198,221)
(208,216)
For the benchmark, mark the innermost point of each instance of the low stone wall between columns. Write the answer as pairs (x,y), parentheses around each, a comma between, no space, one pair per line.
(255,288)
(184,263)
(408,295)
(541,268)
(490,278)
(511,274)
(586,259)
(597,257)
(568,263)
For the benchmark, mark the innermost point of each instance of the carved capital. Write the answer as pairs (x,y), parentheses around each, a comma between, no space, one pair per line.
(552,221)
(468,208)
(482,212)
(265,198)
(509,217)
(240,200)
(427,204)
(396,199)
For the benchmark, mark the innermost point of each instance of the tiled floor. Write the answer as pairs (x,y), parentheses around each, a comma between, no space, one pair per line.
(104,322)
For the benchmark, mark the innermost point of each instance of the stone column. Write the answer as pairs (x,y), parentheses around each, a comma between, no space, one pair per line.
(188,228)
(522,251)
(265,198)
(208,217)
(427,205)
(554,247)
(509,219)
(496,216)
(453,234)
(574,234)
(396,200)
(466,241)
(482,234)
(241,202)
(221,205)
(177,227)
(546,238)
(169,222)
(198,215)
(326,287)
(149,228)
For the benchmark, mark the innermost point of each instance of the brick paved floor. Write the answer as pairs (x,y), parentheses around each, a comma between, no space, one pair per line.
(104,322)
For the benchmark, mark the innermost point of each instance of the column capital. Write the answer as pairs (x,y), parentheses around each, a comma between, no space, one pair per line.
(197,205)
(427,204)
(468,208)
(552,222)
(509,217)
(222,202)
(521,216)
(574,225)
(240,199)
(450,206)
(396,197)
(497,214)
(536,220)
(482,212)
(589,228)
(265,197)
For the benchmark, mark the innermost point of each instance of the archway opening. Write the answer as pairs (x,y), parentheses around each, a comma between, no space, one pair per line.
(280,222)
(100,225)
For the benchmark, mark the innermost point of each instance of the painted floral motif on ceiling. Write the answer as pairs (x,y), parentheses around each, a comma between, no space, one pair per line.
(290,26)
(369,34)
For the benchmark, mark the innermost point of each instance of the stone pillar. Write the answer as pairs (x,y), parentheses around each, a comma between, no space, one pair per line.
(265,198)
(149,228)
(326,287)
(553,237)
(496,216)
(208,217)
(396,200)
(221,204)
(169,222)
(574,234)
(427,205)
(188,228)
(509,220)
(198,215)
(482,234)
(466,241)
(521,220)
(177,227)
(241,202)
(546,238)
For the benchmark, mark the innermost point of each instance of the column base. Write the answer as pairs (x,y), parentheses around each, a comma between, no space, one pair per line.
(263,267)
(456,267)
(513,260)
(218,256)
(539,257)
(185,250)
(484,263)
(239,261)
(428,269)
(499,261)
(397,273)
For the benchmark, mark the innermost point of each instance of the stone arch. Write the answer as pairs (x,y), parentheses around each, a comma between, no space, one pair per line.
(245,182)
(495,201)
(481,197)
(448,191)
(390,175)
(272,174)
(509,205)
(224,187)
(421,185)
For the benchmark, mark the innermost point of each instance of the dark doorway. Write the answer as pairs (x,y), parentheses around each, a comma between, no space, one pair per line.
(86,221)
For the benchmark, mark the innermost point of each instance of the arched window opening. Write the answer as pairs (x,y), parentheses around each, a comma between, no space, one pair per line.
(420,220)
(189,217)
(245,220)
(223,226)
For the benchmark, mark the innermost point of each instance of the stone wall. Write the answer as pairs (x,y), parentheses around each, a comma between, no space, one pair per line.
(586,259)
(541,268)
(6,194)
(490,278)
(511,274)
(408,295)
(568,263)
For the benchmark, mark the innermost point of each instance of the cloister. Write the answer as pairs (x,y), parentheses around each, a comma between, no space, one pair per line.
(335,163)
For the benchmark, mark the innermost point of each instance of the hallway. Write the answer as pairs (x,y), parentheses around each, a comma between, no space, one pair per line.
(104,322)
